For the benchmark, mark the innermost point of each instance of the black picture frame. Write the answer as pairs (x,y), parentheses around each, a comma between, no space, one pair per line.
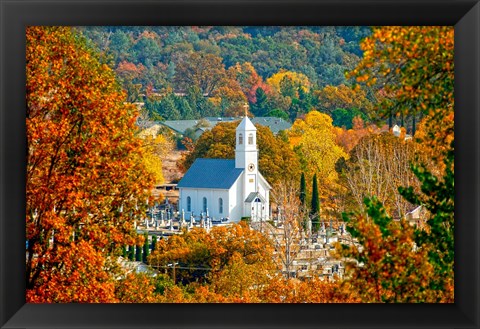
(15,15)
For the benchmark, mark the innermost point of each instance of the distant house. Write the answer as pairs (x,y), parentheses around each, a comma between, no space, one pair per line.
(275,124)
(417,216)
(181,126)
(223,188)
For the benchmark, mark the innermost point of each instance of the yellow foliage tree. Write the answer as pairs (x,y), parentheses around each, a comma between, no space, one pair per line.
(313,139)
(343,97)
(296,79)
(155,146)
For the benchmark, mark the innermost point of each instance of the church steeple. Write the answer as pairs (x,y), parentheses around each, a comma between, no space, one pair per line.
(246,153)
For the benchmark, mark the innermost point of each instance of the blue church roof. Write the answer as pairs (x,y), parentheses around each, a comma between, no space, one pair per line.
(211,173)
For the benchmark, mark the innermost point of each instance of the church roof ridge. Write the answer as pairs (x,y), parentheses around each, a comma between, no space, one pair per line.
(246,124)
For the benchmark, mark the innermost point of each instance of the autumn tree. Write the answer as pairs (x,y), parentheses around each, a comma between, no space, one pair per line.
(288,83)
(313,140)
(437,196)
(414,67)
(349,138)
(281,290)
(331,98)
(384,264)
(230,97)
(288,235)
(204,71)
(378,165)
(136,288)
(130,74)
(248,79)
(156,147)
(207,256)
(433,140)
(85,178)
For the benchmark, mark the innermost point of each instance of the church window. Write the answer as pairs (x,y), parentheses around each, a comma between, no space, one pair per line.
(250,139)
(189,203)
(240,139)
(205,205)
(220,206)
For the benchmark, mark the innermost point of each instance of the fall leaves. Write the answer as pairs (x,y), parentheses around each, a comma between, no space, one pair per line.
(85,175)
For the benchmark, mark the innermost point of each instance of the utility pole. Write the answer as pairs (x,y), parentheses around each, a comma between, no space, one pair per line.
(174,274)
(174,271)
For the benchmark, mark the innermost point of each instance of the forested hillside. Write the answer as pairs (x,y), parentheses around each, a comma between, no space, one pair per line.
(193,72)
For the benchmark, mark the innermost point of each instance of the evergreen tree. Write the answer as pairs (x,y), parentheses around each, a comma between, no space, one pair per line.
(146,249)
(154,242)
(131,253)
(138,253)
(303,189)
(185,109)
(315,210)
(124,252)
(437,196)
(168,109)
(260,108)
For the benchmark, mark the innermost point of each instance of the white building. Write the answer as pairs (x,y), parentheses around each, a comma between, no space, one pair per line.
(222,188)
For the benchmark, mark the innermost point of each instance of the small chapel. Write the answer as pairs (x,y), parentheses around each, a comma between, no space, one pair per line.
(227,189)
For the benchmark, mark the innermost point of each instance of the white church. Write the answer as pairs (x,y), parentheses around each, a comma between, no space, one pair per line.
(227,189)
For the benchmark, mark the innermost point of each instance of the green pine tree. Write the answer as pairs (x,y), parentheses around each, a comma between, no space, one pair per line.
(154,242)
(168,108)
(131,253)
(303,189)
(260,108)
(146,249)
(315,209)
(437,196)
(138,253)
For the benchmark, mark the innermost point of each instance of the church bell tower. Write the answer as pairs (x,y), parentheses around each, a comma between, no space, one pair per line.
(246,157)
(246,153)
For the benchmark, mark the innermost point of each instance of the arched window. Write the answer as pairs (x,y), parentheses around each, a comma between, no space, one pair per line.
(205,205)
(189,203)
(240,139)
(250,139)
(220,206)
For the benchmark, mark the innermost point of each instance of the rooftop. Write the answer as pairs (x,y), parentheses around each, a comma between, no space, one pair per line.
(211,173)
(275,124)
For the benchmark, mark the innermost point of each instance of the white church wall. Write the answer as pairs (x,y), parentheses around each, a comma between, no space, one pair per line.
(234,194)
(264,191)
(197,196)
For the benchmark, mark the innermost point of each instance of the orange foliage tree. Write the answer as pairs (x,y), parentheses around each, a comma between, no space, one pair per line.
(85,175)
(236,251)
(414,67)
(385,264)
(343,97)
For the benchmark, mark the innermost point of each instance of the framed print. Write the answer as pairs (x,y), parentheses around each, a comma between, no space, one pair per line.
(242,95)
